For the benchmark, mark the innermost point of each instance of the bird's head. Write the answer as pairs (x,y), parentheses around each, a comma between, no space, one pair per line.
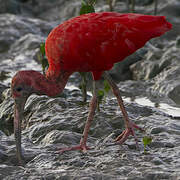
(22,86)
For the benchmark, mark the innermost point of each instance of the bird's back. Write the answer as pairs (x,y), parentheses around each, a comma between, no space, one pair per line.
(95,41)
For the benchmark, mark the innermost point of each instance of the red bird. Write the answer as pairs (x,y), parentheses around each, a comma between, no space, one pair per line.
(91,42)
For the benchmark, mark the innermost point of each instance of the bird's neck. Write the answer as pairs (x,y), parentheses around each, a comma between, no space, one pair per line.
(50,85)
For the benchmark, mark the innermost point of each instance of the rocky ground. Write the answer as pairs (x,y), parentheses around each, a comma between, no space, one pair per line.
(152,73)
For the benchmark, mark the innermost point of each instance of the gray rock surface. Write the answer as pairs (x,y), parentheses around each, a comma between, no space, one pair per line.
(56,123)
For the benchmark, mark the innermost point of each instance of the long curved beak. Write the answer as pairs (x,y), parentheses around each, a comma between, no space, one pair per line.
(18,116)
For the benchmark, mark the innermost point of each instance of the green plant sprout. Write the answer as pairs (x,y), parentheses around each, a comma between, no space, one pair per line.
(87,6)
(106,87)
(146,141)
(102,94)
(42,58)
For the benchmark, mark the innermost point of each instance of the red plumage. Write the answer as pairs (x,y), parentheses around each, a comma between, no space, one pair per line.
(94,42)
(91,42)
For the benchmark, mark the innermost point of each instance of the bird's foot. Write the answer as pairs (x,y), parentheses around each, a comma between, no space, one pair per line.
(128,131)
(80,147)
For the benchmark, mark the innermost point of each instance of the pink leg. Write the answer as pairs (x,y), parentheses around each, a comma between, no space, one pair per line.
(128,124)
(92,109)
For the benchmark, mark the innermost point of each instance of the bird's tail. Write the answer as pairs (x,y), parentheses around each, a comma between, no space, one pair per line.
(153,25)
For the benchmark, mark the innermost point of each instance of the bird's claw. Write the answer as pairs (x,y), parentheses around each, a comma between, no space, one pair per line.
(128,131)
(82,148)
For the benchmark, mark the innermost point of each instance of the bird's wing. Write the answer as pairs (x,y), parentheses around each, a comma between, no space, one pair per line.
(97,41)
(94,42)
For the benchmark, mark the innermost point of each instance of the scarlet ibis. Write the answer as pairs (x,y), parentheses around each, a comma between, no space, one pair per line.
(87,43)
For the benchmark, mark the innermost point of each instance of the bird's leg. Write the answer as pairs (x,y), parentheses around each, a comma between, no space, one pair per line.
(92,109)
(130,126)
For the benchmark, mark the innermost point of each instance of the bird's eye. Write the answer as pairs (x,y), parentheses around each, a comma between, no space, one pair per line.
(19,89)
